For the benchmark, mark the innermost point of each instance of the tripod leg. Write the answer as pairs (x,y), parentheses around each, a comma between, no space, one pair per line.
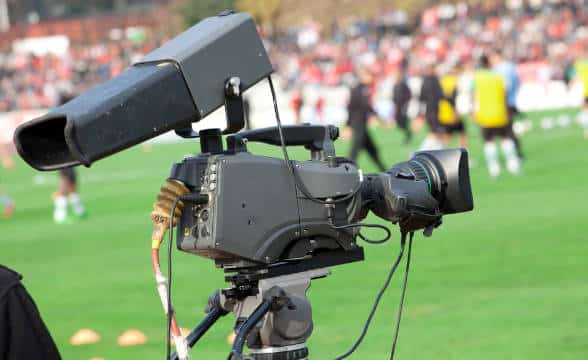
(245,328)
(214,312)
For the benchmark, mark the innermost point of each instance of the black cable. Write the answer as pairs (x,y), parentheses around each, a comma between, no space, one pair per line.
(401,304)
(362,237)
(377,301)
(279,122)
(297,182)
(169,276)
(284,150)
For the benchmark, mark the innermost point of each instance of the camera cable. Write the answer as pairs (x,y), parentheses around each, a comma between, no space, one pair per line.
(169,281)
(402,294)
(362,237)
(180,340)
(297,182)
(166,211)
(377,301)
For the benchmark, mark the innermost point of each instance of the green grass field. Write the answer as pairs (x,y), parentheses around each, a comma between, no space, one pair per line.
(506,281)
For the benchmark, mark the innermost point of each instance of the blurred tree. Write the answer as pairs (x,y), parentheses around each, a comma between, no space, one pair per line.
(279,14)
(192,11)
(264,11)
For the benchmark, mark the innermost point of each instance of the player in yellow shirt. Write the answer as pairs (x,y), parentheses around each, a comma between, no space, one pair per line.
(450,120)
(581,72)
(491,113)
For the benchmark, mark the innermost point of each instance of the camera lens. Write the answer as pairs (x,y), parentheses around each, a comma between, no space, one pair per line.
(446,173)
(421,169)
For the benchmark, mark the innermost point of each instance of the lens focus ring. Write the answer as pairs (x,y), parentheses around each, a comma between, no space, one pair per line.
(420,172)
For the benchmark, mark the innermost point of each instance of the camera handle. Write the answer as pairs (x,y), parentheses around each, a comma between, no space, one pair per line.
(319,139)
(264,316)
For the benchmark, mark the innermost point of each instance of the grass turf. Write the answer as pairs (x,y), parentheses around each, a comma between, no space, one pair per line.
(506,281)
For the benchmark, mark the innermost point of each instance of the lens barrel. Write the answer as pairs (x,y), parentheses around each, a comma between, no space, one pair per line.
(446,173)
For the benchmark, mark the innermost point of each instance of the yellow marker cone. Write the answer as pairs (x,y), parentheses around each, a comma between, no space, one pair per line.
(84,337)
(131,337)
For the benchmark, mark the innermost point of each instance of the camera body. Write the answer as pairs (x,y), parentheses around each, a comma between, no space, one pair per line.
(245,208)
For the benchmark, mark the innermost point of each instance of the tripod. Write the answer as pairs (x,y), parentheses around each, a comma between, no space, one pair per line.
(273,315)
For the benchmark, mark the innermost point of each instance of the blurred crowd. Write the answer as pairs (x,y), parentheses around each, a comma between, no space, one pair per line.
(553,32)
(29,82)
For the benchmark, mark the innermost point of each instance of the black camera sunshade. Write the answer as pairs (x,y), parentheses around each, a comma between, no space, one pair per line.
(175,85)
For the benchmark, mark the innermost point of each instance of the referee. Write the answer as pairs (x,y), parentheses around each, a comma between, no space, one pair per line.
(401,96)
(430,95)
(360,112)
